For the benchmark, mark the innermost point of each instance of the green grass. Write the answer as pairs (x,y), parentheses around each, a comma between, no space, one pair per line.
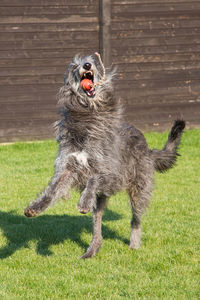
(39,258)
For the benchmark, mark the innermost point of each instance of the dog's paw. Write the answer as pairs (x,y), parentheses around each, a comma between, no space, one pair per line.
(30,213)
(88,254)
(86,203)
(93,248)
(84,209)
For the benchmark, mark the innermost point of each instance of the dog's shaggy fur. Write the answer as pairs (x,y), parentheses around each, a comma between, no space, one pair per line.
(99,154)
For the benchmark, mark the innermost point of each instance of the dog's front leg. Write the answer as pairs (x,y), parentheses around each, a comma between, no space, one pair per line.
(59,184)
(97,185)
(88,199)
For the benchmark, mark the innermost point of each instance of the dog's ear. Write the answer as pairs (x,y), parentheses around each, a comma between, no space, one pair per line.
(69,74)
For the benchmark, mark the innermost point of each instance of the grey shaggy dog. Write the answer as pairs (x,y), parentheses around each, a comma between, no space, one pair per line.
(99,154)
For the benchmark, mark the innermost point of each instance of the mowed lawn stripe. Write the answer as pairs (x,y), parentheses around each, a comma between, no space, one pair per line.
(39,258)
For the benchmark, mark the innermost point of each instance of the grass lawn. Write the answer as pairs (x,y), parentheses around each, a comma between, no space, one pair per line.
(39,258)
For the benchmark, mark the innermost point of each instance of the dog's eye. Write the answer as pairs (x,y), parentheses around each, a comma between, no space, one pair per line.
(87,66)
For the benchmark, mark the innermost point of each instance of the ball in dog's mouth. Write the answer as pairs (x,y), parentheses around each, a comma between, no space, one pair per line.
(87,83)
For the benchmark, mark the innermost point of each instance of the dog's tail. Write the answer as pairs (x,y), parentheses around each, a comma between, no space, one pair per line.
(165,159)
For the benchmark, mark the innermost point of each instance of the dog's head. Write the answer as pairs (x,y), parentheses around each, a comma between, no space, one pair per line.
(88,70)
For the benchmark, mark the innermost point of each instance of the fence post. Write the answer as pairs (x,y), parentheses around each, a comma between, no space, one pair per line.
(105,31)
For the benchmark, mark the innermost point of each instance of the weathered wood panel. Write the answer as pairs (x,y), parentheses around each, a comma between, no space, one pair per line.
(45,3)
(156,46)
(38,39)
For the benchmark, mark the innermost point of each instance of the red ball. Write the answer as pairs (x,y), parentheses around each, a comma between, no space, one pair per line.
(86,84)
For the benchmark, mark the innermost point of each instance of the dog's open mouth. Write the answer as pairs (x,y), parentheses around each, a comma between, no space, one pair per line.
(87,83)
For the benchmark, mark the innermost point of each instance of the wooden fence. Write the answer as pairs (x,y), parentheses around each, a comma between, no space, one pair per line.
(154,44)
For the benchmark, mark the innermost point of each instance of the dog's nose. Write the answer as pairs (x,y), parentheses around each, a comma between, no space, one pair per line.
(87,66)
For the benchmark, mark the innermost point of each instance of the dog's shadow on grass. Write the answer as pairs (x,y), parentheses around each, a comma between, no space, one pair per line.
(49,230)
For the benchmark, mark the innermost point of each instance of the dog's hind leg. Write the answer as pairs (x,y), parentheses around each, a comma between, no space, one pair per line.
(139,198)
(97,234)
(55,190)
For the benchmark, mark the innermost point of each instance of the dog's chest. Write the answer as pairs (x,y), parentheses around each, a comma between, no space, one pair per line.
(80,156)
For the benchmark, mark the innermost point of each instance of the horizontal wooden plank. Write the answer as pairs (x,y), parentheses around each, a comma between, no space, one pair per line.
(48,36)
(158,98)
(152,17)
(27,132)
(156,66)
(11,90)
(17,110)
(161,75)
(33,71)
(160,117)
(160,114)
(160,125)
(149,33)
(187,6)
(29,111)
(46,2)
(36,98)
(133,50)
(156,41)
(135,91)
(43,102)
(18,136)
(24,124)
(40,44)
(172,23)
(49,19)
(48,10)
(146,108)
(153,126)
(34,62)
(155,58)
(66,53)
(49,27)
(48,79)
(80,2)
(21,128)
(163,95)
(149,2)
(28,116)
(154,84)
